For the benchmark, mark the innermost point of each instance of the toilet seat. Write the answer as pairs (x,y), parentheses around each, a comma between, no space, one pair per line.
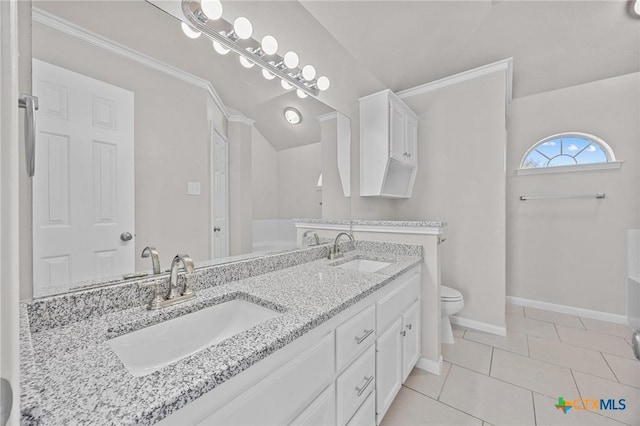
(448,294)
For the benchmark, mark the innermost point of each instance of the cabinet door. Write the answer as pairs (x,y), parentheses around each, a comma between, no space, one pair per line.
(396,132)
(411,140)
(410,339)
(388,368)
(322,410)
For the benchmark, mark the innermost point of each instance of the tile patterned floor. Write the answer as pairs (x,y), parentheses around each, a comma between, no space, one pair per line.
(489,380)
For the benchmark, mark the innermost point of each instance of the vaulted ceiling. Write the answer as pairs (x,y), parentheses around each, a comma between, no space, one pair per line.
(366,46)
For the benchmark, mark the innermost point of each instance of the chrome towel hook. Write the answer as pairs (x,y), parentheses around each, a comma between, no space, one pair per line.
(30,104)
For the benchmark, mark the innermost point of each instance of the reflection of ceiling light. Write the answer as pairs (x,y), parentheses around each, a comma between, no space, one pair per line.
(242,28)
(301,94)
(634,8)
(292,115)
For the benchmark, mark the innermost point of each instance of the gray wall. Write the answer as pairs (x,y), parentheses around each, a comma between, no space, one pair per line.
(461,149)
(298,171)
(264,168)
(573,252)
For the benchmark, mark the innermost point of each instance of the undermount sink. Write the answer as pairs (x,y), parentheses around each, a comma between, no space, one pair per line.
(146,350)
(364,265)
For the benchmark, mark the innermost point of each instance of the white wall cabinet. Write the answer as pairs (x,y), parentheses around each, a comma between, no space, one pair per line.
(344,372)
(388,146)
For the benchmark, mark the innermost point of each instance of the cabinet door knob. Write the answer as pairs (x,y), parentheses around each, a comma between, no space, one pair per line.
(409,326)
(216,229)
(403,333)
(408,154)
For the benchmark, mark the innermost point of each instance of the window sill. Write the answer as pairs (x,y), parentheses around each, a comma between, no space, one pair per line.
(569,169)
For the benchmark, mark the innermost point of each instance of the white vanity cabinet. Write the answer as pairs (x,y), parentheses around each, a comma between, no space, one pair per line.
(332,375)
(388,146)
(398,344)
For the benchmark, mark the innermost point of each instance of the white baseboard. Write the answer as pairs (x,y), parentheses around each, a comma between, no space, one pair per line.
(565,309)
(478,325)
(433,367)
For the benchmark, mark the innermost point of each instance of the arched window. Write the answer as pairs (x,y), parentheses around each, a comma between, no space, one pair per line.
(567,149)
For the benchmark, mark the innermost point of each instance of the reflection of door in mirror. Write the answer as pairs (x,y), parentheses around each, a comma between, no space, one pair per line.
(219,195)
(83,189)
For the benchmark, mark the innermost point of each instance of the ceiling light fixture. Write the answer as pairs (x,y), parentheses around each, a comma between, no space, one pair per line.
(205,17)
(292,115)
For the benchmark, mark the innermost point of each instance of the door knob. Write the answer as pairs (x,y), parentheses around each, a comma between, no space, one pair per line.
(216,229)
(126,236)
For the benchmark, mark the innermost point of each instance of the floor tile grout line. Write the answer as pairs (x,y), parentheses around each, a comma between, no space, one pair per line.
(528,349)
(582,347)
(610,368)
(445,404)
(583,324)
(555,327)
(491,360)
(575,382)
(504,381)
(444,382)
(533,405)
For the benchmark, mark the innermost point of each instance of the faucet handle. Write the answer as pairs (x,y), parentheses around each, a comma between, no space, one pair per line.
(156,301)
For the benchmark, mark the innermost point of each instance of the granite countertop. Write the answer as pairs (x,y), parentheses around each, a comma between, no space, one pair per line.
(363,222)
(71,376)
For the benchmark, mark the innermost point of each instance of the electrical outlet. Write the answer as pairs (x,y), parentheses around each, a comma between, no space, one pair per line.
(193,188)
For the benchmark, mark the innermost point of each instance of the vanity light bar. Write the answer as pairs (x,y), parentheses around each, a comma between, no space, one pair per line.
(272,63)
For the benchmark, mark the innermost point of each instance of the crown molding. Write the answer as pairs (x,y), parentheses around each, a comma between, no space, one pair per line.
(502,65)
(52,21)
(237,118)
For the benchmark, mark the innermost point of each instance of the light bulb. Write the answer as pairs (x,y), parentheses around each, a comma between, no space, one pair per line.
(242,27)
(636,7)
(323,83)
(220,48)
(266,74)
(211,8)
(285,85)
(291,59)
(246,62)
(301,94)
(269,45)
(190,32)
(308,72)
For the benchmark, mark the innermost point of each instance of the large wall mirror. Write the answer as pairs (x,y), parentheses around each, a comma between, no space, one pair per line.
(149,138)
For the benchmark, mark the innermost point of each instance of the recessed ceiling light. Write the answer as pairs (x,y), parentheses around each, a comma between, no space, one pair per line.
(292,115)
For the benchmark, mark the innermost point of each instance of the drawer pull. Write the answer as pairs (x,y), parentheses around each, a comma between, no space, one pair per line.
(367,382)
(366,334)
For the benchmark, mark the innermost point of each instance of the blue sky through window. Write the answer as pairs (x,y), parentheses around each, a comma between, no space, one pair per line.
(565,151)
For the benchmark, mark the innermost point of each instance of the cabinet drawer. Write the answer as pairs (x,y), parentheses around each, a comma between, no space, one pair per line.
(271,401)
(355,384)
(366,415)
(354,336)
(322,410)
(392,306)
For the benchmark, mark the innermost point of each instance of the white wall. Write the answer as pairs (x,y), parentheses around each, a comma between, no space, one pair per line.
(573,252)
(461,149)
(298,171)
(264,168)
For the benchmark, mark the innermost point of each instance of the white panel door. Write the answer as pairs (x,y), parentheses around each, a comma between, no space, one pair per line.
(388,368)
(83,188)
(219,195)
(410,339)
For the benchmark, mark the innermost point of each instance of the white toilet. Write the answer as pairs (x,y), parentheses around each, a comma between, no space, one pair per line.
(451,302)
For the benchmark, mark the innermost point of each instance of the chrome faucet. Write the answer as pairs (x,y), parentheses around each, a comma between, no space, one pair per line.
(155,259)
(173,278)
(172,297)
(334,253)
(311,232)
